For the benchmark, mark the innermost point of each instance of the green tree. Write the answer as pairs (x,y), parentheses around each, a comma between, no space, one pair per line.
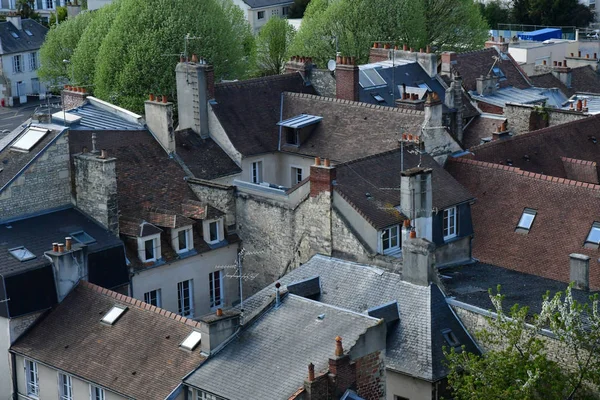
(272,45)
(495,12)
(25,8)
(517,365)
(62,15)
(551,12)
(298,8)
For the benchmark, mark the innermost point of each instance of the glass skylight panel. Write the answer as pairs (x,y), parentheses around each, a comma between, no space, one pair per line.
(82,237)
(370,77)
(113,314)
(378,98)
(21,254)
(191,341)
(27,31)
(594,235)
(15,35)
(527,219)
(29,139)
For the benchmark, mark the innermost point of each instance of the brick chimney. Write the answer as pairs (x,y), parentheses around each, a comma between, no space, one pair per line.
(303,65)
(500,43)
(580,270)
(159,119)
(487,85)
(416,199)
(501,132)
(433,111)
(69,264)
(418,261)
(454,100)
(96,188)
(321,177)
(563,73)
(341,367)
(448,59)
(346,77)
(195,87)
(73,97)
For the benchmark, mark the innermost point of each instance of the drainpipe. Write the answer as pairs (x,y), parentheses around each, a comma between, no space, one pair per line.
(280,119)
(13,361)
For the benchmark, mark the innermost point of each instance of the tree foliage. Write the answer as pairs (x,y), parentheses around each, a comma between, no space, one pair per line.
(356,24)
(517,365)
(537,12)
(130,48)
(298,8)
(26,9)
(272,46)
(62,15)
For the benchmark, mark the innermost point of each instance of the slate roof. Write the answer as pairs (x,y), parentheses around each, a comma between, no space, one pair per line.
(379,176)
(469,109)
(414,345)
(583,80)
(249,110)
(266,3)
(566,210)
(204,158)
(470,284)
(24,43)
(38,233)
(541,151)
(471,65)
(95,118)
(138,357)
(349,130)
(269,358)
(481,128)
(512,95)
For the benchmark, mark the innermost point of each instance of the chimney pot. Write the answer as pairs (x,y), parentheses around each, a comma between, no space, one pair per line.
(326,163)
(338,59)
(375,45)
(103,154)
(571,106)
(579,54)
(151,97)
(555,63)
(571,54)
(194,58)
(404,47)
(579,105)
(410,137)
(585,103)
(587,55)
(421,50)
(560,63)
(68,243)
(544,62)
(428,49)
(595,56)
(219,312)
(61,247)
(413,234)
(345,60)
(164,99)
(55,247)
(406,223)
(404,137)
(339,349)
(317,160)
(386,46)
(311,372)
(565,63)
(412,49)
(396,47)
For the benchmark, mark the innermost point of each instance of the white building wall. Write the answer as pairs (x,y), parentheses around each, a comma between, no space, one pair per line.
(26,76)
(5,366)
(407,387)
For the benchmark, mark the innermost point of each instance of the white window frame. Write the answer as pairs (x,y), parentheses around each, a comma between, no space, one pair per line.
(18,64)
(142,247)
(181,298)
(202,395)
(33,63)
(32,388)
(522,221)
(294,172)
(65,388)
(97,393)
(189,239)
(450,223)
(220,230)
(256,171)
(157,295)
(212,289)
(49,4)
(390,229)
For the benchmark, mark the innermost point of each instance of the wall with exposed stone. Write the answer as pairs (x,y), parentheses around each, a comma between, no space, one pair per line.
(217,195)
(323,81)
(523,118)
(44,185)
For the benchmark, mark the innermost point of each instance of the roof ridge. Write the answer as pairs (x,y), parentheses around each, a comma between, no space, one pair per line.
(247,82)
(356,160)
(578,161)
(355,103)
(140,304)
(476,51)
(540,177)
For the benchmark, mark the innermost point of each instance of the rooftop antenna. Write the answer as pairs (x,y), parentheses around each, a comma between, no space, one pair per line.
(496,60)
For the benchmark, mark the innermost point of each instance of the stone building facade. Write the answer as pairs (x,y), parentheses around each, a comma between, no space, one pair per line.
(523,118)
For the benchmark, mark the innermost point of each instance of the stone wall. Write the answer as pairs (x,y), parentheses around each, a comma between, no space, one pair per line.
(522,118)
(323,81)
(217,195)
(44,185)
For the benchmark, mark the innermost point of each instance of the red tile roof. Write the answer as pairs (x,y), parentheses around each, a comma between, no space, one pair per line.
(137,357)
(566,210)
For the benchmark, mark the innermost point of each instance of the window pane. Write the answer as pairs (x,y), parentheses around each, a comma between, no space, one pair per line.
(526,220)
(184,298)
(149,247)
(385,239)
(214,231)
(182,240)
(594,236)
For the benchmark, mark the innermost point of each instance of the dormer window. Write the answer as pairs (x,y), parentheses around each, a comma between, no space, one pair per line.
(451,339)
(526,220)
(593,239)
(213,231)
(292,125)
(291,136)
(182,239)
(149,248)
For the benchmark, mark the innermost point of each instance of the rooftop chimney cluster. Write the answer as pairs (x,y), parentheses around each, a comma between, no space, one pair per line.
(343,60)
(76,89)
(158,98)
(387,46)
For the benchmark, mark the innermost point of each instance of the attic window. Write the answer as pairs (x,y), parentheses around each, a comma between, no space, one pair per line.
(29,139)
(191,341)
(15,35)
(27,31)
(527,219)
(113,314)
(21,254)
(423,85)
(369,78)
(378,98)
(291,136)
(82,237)
(593,239)
(498,73)
(300,121)
(451,339)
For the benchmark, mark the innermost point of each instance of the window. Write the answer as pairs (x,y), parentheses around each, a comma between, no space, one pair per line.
(378,98)
(593,239)
(49,4)
(184,298)
(291,136)
(113,314)
(65,387)
(526,219)
(389,239)
(28,32)
(498,73)
(296,175)
(449,223)
(215,287)
(17,64)
(97,393)
(202,395)
(15,35)
(213,229)
(451,339)
(257,172)
(285,10)
(423,85)
(29,139)
(82,237)
(153,297)
(182,240)
(21,254)
(275,12)
(31,375)
(33,61)
(149,249)
(261,15)
(191,341)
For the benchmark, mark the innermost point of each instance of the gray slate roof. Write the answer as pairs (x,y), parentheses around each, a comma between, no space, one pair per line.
(9,44)
(269,359)
(266,3)
(414,345)
(94,118)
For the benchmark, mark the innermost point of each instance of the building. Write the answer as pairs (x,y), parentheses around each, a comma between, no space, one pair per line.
(43,7)
(103,345)
(258,12)
(96,4)
(20,42)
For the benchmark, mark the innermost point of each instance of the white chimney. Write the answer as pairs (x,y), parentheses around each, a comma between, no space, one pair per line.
(15,20)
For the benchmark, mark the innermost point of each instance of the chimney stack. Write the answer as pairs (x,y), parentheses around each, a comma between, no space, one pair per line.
(15,20)
(416,199)
(321,177)
(159,119)
(346,79)
(448,59)
(195,87)
(303,65)
(418,265)
(216,329)
(69,265)
(580,270)
(487,85)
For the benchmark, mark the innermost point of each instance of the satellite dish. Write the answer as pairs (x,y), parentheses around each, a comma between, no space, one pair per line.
(331,65)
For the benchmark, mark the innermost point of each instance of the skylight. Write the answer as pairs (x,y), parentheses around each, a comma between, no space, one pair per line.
(498,73)
(191,341)
(21,253)
(527,219)
(451,338)
(82,237)
(27,31)
(29,139)
(594,235)
(15,35)
(113,315)
(369,78)
(378,98)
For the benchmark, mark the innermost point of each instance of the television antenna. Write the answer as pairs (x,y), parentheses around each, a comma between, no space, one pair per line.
(331,65)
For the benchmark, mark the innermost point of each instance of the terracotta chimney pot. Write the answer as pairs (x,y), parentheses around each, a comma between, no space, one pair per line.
(317,160)
(421,50)
(375,45)
(404,47)
(164,99)
(194,58)
(219,312)
(396,47)
(406,223)
(412,49)
(326,163)
(311,372)
(151,97)
(103,154)
(68,243)
(428,49)
(339,349)
(579,104)
(55,247)
(61,247)
(587,55)
(413,234)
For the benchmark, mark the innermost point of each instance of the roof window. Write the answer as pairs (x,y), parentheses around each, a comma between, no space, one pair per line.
(300,121)
(526,219)
(378,98)
(82,237)
(593,239)
(498,73)
(369,78)
(451,339)
(113,314)
(191,341)
(15,35)
(28,32)
(29,139)
(21,253)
